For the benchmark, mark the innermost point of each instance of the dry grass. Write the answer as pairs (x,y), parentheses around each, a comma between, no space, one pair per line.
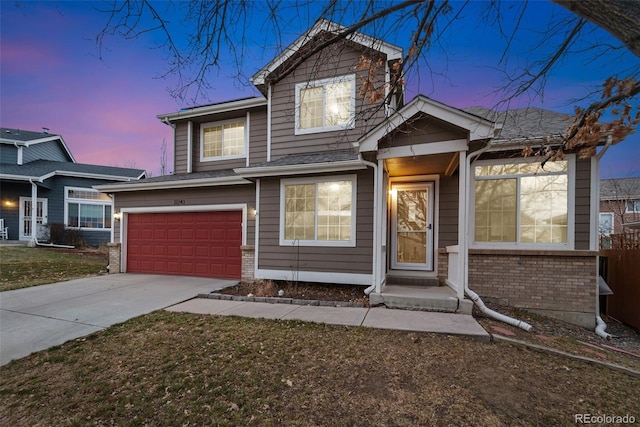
(22,267)
(185,369)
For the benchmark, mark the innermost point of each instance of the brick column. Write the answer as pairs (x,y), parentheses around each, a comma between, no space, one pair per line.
(248,262)
(114,257)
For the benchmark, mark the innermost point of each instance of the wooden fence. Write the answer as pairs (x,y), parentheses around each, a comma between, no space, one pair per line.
(622,273)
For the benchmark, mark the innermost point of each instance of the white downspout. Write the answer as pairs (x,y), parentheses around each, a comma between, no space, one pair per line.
(34,211)
(374,166)
(465,253)
(601,326)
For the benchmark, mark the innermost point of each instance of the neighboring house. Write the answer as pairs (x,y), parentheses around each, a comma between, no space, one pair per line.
(619,207)
(41,183)
(314,182)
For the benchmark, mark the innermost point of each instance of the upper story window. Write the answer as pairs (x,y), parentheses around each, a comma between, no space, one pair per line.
(633,206)
(325,105)
(522,205)
(318,211)
(87,208)
(223,140)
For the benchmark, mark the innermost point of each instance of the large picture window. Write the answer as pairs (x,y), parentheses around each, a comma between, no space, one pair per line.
(222,140)
(325,105)
(318,212)
(522,203)
(87,208)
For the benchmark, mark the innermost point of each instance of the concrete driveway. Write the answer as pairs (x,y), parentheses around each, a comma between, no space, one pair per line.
(41,317)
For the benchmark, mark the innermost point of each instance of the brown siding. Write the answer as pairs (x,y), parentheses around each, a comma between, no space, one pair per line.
(337,60)
(448,221)
(309,258)
(583,204)
(258,137)
(236,194)
(180,148)
(423,131)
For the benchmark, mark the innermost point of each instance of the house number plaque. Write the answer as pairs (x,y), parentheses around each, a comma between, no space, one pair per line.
(178,202)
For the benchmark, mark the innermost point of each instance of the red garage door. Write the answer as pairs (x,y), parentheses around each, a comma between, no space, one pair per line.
(205,244)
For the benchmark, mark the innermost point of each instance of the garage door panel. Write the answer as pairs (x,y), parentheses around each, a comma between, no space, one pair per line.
(187,243)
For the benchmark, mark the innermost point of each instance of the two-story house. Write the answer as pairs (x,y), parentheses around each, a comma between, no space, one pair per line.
(318,181)
(41,183)
(619,207)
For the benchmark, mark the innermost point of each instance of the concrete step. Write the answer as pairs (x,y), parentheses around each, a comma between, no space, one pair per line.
(412,281)
(441,299)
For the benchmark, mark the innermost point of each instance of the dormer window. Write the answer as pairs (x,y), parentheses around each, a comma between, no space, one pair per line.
(325,105)
(222,140)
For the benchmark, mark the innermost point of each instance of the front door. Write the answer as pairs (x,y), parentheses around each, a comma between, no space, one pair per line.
(25,216)
(412,226)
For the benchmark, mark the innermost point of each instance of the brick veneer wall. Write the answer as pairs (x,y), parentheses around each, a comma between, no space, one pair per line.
(556,283)
(248,262)
(114,257)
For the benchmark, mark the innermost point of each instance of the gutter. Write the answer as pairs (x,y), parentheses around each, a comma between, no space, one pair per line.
(374,166)
(465,253)
(601,326)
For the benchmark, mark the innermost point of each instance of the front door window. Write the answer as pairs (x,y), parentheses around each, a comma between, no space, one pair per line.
(25,216)
(412,238)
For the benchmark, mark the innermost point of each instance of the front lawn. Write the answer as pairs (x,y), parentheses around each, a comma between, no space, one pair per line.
(184,369)
(22,267)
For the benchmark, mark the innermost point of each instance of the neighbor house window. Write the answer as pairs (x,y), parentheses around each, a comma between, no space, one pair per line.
(606,223)
(633,206)
(222,140)
(521,203)
(87,208)
(318,212)
(325,105)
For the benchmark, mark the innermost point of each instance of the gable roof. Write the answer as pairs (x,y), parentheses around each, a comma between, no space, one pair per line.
(478,127)
(26,138)
(323,25)
(524,123)
(41,170)
(620,188)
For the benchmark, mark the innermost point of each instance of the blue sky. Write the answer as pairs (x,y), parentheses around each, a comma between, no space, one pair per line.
(105,103)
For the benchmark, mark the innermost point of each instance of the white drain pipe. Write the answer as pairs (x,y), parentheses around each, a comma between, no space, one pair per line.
(374,166)
(465,253)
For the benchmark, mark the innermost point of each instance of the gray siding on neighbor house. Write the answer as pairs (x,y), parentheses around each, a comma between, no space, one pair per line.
(50,150)
(291,258)
(448,213)
(423,130)
(191,197)
(8,154)
(583,204)
(337,60)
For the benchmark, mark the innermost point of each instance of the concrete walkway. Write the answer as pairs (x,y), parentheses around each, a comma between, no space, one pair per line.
(377,317)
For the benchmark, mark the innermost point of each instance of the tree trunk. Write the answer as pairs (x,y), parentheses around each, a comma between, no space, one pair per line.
(620,18)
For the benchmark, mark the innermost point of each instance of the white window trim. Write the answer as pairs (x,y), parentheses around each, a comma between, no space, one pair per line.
(636,203)
(317,180)
(610,215)
(68,200)
(204,126)
(323,82)
(571,187)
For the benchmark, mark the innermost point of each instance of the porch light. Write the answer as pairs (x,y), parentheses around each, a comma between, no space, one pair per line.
(117,216)
(8,203)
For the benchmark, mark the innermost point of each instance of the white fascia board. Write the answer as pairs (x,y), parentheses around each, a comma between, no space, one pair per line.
(168,185)
(478,127)
(260,172)
(391,51)
(440,147)
(18,177)
(224,107)
(86,175)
